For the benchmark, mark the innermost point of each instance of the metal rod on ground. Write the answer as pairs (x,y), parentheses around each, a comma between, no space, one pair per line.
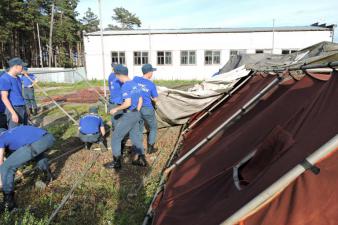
(282,183)
(75,185)
(45,93)
(241,111)
(218,102)
(163,177)
(89,84)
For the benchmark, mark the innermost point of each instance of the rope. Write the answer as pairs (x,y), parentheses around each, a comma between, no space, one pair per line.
(71,191)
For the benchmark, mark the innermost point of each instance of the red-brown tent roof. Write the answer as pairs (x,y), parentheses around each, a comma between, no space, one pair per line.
(283,129)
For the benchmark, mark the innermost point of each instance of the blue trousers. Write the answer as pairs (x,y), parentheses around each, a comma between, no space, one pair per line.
(28,94)
(148,115)
(128,123)
(21,156)
(116,116)
(90,138)
(22,114)
(3,120)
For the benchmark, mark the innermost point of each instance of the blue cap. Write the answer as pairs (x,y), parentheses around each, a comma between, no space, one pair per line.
(120,69)
(16,62)
(146,68)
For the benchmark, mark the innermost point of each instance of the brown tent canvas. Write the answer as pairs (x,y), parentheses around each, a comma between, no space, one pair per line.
(279,132)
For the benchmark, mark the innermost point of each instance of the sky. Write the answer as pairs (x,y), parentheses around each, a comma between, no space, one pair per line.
(222,13)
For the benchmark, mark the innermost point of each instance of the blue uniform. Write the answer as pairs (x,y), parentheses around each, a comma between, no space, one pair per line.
(115,89)
(14,87)
(90,124)
(129,122)
(115,97)
(26,143)
(28,91)
(148,89)
(27,82)
(148,115)
(130,90)
(3,118)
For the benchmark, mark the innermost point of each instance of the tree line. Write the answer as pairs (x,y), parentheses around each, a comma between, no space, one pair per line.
(25,29)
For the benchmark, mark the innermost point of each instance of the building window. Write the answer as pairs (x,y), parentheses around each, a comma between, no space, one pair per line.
(212,57)
(188,57)
(259,51)
(141,58)
(118,57)
(163,58)
(287,51)
(237,52)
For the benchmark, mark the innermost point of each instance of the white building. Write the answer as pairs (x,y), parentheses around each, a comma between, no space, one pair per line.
(192,53)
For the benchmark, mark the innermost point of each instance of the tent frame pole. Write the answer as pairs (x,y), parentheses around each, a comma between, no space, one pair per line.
(303,67)
(219,101)
(240,112)
(282,183)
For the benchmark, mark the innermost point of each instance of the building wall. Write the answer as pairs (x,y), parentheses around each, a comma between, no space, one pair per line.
(197,42)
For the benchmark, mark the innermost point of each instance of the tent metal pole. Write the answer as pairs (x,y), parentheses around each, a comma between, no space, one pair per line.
(241,111)
(219,101)
(50,98)
(304,67)
(282,183)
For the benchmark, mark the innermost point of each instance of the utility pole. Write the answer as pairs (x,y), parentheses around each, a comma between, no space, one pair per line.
(273,36)
(50,48)
(39,41)
(102,52)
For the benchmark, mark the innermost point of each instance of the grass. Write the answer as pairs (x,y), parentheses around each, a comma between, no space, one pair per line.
(102,198)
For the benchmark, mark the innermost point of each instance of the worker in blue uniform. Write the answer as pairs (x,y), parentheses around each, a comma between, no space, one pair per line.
(129,122)
(11,94)
(149,96)
(28,81)
(92,130)
(3,118)
(24,143)
(115,98)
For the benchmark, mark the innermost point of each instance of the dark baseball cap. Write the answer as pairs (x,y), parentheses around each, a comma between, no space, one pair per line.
(120,69)
(16,62)
(93,110)
(146,68)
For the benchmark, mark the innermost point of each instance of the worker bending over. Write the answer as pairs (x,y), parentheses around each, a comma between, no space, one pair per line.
(24,143)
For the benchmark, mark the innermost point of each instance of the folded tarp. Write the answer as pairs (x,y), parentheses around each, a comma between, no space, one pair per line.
(175,107)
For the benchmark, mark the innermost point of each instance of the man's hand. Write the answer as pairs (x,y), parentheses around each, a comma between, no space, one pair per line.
(113,111)
(15,118)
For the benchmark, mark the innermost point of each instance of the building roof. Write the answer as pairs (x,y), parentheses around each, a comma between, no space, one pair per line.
(210,30)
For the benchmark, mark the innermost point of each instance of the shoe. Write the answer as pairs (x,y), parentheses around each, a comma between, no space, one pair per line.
(115,164)
(35,112)
(30,111)
(87,146)
(9,202)
(140,161)
(47,176)
(150,149)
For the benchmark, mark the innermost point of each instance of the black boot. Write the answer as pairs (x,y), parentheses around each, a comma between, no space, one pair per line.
(150,149)
(103,144)
(9,202)
(31,111)
(115,164)
(35,111)
(47,176)
(140,161)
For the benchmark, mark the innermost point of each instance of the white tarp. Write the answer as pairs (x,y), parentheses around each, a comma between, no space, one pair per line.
(176,107)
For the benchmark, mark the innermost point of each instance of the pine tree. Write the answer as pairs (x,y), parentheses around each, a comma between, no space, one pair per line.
(90,22)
